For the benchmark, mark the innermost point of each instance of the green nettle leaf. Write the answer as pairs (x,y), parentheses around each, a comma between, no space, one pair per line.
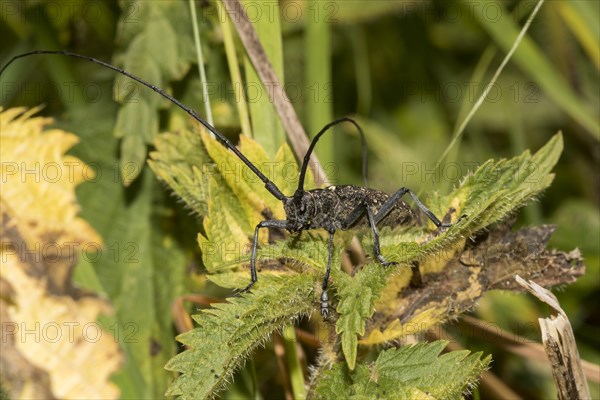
(226,226)
(357,299)
(410,372)
(227,333)
(302,255)
(490,194)
(372,303)
(183,162)
(178,161)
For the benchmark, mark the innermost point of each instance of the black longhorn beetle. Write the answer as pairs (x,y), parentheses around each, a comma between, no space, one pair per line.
(332,208)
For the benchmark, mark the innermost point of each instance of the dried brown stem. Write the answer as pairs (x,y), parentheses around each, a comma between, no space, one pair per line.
(559,342)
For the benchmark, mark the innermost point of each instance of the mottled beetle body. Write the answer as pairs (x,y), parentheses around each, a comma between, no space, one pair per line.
(331,209)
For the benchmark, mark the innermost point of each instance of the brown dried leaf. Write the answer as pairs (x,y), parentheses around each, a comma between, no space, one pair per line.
(486,262)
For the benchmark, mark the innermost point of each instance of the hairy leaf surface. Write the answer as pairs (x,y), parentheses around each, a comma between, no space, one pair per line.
(410,372)
(226,334)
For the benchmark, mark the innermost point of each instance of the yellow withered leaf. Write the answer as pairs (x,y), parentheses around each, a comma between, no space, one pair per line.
(39,180)
(52,344)
(57,336)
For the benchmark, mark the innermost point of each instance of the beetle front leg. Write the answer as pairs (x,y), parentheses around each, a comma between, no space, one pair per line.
(262,224)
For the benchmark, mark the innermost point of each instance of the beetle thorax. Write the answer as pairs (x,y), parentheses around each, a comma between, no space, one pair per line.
(312,209)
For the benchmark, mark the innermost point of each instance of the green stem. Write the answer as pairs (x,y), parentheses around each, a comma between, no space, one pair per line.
(318,78)
(200,61)
(294,366)
(234,70)
(362,70)
(460,130)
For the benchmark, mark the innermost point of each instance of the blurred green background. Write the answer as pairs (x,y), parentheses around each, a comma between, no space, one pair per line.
(408,71)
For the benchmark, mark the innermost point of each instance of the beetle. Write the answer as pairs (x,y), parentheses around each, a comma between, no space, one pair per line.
(333,208)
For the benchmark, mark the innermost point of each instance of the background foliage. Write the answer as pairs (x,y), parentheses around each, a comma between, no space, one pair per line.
(409,71)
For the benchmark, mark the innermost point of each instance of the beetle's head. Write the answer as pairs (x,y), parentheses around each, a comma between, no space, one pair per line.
(299,211)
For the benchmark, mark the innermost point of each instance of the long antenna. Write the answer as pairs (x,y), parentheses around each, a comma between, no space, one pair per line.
(270,186)
(314,143)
